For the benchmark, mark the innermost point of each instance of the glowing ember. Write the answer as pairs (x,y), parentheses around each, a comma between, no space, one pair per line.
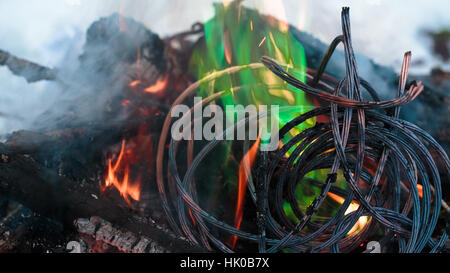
(244,171)
(126,188)
(134,83)
(362,221)
(159,86)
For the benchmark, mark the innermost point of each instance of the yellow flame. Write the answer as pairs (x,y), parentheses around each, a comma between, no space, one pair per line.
(362,221)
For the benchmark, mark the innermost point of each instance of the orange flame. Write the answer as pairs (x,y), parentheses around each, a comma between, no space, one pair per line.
(159,86)
(134,83)
(362,221)
(244,171)
(227,47)
(420,189)
(126,188)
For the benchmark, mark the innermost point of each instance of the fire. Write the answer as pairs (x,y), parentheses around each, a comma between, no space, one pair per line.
(126,188)
(138,70)
(159,86)
(244,171)
(134,83)
(420,189)
(227,47)
(362,221)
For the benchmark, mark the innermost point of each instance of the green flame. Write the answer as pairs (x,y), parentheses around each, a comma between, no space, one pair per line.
(240,36)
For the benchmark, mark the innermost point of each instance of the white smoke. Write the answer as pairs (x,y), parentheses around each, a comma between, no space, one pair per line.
(49,31)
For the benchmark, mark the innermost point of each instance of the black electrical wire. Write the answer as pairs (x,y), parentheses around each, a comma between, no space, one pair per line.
(358,132)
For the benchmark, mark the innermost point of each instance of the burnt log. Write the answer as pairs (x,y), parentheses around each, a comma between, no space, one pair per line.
(34,142)
(32,72)
(80,153)
(43,191)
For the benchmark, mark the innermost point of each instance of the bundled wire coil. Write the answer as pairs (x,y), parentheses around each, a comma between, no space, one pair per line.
(357,133)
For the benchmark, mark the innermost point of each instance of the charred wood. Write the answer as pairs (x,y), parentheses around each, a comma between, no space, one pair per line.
(32,72)
(32,142)
(43,191)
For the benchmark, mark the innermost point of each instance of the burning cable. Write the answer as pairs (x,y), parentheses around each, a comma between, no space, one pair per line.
(357,132)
